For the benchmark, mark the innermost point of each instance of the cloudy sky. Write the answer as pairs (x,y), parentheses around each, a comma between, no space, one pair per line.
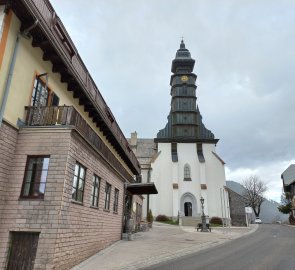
(245,62)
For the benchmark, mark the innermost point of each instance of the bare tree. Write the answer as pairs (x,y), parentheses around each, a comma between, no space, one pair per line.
(254,193)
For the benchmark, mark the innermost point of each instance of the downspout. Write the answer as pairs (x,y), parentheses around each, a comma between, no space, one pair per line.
(123,214)
(11,69)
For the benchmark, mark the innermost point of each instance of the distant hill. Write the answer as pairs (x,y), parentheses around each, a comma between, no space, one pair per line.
(269,208)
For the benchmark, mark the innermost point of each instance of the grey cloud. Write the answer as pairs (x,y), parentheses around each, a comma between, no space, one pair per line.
(245,62)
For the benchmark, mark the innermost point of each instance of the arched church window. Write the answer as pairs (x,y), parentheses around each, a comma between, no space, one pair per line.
(187,173)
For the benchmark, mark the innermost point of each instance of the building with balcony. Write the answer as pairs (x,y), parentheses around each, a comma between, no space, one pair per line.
(69,181)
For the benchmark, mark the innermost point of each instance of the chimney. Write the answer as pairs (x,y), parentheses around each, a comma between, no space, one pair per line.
(133,140)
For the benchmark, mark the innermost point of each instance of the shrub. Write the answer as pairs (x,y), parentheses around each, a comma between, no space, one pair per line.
(216,220)
(162,218)
(150,217)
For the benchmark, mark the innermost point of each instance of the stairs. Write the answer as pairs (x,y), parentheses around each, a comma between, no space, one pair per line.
(191,221)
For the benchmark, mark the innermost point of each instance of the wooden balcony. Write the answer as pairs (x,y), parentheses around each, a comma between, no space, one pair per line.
(68,116)
(51,36)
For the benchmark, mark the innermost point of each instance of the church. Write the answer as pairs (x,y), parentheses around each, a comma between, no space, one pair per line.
(181,160)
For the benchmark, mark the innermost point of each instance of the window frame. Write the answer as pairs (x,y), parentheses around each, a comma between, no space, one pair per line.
(40,195)
(174,155)
(51,95)
(95,187)
(78,182)
(107,199)
(116,201)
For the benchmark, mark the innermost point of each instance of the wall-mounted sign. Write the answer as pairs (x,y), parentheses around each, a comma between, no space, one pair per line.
(248,210)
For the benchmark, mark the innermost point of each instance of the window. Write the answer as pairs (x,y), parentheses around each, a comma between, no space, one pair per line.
(95,191)
(116,201)
(42,95)
(35,177)
(187,173)
(107,196)
(78,183)
(174,152)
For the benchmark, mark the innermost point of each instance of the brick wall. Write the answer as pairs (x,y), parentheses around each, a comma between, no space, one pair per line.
(69,232)
(8,138)
(36,215)
(83,230)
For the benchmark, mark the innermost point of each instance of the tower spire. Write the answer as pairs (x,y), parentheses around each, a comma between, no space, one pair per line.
(182,45)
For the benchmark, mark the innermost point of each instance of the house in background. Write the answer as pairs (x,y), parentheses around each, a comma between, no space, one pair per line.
(288,178)
(146,152)
(269,209)
(68,177)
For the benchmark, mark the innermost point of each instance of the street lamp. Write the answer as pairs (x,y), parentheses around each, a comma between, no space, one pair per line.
(204,226)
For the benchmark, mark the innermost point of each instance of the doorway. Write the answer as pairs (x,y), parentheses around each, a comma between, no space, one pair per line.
(188,205)
(188,209)
(22,252)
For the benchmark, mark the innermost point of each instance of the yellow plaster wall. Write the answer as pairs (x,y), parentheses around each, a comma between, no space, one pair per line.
(29,63)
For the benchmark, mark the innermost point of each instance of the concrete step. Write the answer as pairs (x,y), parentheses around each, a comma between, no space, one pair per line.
(190,221)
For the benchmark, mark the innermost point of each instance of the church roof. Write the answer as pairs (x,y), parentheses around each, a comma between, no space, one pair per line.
(182,58)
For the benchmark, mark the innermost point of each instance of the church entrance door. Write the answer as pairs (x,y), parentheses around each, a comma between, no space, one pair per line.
(188,209)
(188,205)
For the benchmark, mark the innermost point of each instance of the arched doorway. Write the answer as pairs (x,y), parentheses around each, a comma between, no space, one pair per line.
(188,209)
(188,205)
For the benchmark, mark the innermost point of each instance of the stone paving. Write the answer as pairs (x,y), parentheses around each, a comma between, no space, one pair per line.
(161,243)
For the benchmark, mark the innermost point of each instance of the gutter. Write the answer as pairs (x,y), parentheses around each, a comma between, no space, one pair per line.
(24,33)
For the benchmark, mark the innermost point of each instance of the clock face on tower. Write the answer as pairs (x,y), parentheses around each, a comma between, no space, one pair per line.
(184,78)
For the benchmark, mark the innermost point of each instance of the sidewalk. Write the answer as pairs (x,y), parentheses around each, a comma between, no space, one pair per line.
(161,243)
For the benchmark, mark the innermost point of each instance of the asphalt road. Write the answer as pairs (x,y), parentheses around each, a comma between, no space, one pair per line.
(271,247)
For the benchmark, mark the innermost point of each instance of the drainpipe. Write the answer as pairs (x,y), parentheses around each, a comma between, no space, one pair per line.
(11,69)
(123,214)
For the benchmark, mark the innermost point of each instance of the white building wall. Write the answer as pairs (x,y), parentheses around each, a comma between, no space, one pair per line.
(187,154)
(215,180)
(165,173)
(161,175)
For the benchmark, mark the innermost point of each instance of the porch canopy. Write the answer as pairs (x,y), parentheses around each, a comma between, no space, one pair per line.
(142,188)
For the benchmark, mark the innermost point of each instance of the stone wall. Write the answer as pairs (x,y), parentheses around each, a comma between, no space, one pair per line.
(8,139)
(32,214)
(237,208)
(69,232)
(84,230)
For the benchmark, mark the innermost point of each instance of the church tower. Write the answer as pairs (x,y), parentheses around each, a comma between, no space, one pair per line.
(186,166)
(184,121)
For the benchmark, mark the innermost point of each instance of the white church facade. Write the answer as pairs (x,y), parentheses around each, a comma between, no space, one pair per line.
(181,160)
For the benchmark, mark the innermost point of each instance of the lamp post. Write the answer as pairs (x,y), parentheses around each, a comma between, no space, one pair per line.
(204,226)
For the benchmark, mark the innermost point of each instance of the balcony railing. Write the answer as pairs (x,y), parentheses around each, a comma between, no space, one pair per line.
(68,116)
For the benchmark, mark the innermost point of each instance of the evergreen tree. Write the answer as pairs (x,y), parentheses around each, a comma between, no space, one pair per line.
(286,203)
